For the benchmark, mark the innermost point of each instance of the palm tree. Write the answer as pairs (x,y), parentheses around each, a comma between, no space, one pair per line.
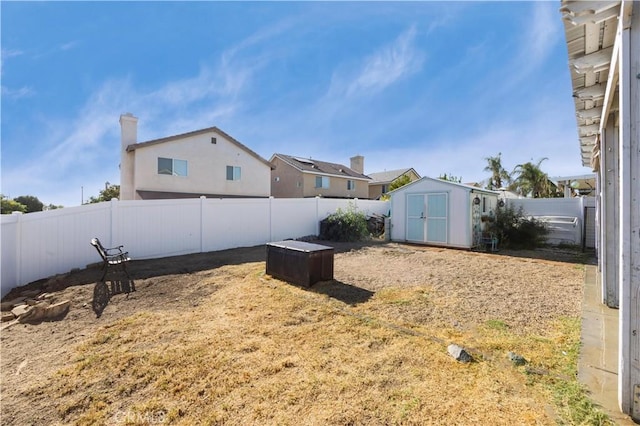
(499,176)
(532,180)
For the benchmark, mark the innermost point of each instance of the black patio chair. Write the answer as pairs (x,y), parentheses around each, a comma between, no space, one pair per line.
(111,257)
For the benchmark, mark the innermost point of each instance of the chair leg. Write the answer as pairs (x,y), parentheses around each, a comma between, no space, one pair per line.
(105,269)
(124,268)
(132,286)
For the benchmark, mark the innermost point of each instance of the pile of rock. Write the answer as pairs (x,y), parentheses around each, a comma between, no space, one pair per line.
(33,306)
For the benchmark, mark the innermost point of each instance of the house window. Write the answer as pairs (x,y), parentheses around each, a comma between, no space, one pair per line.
(351,185)
(384,189)
(484,204)
(322,182)
(171,166)
(233,173)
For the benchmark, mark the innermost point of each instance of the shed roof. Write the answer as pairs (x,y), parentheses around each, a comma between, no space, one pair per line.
(320,167)
(214,129)
(447,182)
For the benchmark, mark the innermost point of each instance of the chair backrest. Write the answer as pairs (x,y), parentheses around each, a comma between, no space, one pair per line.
(101,251)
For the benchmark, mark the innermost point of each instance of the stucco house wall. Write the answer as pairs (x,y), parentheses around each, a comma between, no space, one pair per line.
(207,153)
(337,187)
(292,179)
(286,181)
(378,188)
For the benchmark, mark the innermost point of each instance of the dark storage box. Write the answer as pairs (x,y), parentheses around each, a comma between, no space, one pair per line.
(300,263)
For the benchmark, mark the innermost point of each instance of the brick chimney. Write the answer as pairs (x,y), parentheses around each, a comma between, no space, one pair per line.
(357,164)
(128,136)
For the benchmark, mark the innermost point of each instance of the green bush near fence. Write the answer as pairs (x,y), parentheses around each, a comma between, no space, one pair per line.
(344,225)
(517,231)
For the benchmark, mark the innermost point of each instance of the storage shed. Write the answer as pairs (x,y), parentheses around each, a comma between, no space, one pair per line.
(443,213)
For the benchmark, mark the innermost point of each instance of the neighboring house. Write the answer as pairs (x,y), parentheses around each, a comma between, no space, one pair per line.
(296,177)
(205,162)
(380,182)
(440,212)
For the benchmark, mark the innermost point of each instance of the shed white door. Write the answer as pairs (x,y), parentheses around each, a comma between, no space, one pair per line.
(415,217)
(427,217)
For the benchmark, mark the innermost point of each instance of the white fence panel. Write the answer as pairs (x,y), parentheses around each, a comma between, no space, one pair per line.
(293,218)
(548,206)
(39,245)
(235,222)
(326,206)
(9,247)
(370,207)
(57,241)
(564,216)
(157,228)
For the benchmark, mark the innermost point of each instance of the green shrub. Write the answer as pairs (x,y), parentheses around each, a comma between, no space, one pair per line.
(515,230)
(349,225)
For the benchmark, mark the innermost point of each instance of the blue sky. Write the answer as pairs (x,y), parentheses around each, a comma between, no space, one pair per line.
(437,86)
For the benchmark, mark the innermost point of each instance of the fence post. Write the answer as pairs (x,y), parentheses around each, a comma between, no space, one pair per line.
(317,215)
(270,218)
(18,264)
(202,201)
(113,207)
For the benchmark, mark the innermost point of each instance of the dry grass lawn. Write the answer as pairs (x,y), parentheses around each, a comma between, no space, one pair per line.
(213,340)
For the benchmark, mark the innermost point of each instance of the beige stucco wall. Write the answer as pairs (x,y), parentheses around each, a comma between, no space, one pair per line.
(206,167)
(375,190)
(337,187)
(286,181)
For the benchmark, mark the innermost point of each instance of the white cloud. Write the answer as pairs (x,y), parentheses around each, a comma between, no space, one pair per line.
(543,33)
(545,133)
(22,92)
(10,53)
(69,45)
(383,68)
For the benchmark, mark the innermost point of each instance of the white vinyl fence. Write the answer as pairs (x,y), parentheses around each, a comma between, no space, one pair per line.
(39,245)
(565,218)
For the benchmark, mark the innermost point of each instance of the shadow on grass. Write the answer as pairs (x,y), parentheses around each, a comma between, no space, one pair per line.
(555,254)
(346,293)
(148,268)
(102,293)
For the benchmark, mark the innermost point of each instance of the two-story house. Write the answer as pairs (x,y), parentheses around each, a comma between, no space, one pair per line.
(205,162)
(381,181)
(296,177)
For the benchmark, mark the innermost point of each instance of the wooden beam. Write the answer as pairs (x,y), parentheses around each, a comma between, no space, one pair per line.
(596,18)
(591,130)
(609,179)
(593,62)
(586,8)
(590,114)
(612,84)
(629,215)
(593,93)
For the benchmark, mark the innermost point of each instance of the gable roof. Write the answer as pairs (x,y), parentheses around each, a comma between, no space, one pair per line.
(215,129)
(447,182)
(320,167)
(390,175)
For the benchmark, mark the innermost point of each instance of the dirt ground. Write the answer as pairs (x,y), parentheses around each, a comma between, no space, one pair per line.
(524,290)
